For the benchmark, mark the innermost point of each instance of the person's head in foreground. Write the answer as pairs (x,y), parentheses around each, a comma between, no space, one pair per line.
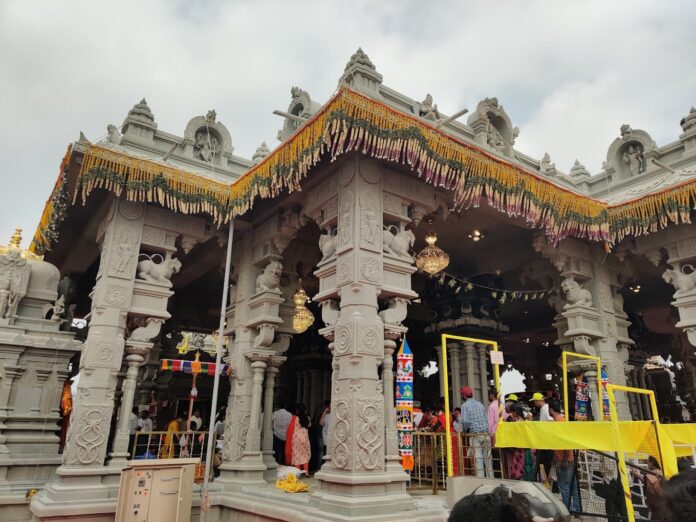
(555,408)
(679,494)
(501,505)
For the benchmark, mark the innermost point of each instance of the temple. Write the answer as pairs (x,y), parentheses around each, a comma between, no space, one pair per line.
(129,259)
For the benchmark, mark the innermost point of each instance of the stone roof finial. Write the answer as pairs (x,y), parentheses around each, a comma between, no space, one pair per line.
(361,74)
(16,239)
(579,171)
(261,153)
(140,116)
(360,58)
(688,122)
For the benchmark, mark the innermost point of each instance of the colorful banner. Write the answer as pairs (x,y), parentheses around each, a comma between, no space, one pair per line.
(582,397)
(205,368)
(404,404)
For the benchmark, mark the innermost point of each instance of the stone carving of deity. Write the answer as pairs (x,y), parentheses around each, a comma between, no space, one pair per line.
(633,157)
(428,110)
(5,294)
(546,166)
(495,139)
(207,145)
(123,254)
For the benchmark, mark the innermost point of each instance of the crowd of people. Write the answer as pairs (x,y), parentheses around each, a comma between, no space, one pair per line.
(297,441)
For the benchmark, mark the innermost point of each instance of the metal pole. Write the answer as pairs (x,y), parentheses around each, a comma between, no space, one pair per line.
(216,381)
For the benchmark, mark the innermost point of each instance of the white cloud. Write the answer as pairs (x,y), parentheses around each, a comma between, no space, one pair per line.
(568,73)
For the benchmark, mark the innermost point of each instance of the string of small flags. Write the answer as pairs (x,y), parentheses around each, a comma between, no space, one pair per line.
(461,284)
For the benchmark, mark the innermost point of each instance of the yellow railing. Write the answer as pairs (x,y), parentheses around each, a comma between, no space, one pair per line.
(445,378)
(472,455)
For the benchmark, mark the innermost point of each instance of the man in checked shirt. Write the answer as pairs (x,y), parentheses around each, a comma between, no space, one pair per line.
(475,423)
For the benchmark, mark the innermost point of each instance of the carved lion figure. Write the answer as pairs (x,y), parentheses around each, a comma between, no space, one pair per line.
(575,294)
(681,281)
(399,242)
(158,272)
(327,245)
(269,279)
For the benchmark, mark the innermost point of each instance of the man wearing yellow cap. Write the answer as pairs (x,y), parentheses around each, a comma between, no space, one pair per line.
(540,404)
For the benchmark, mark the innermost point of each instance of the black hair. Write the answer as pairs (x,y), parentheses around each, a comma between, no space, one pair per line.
(498,506)
(517,409)
(301,413)
(555,405)
(654,462)
(679,494)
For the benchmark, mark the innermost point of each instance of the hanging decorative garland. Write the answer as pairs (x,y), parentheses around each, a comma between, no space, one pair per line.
(462,284)
(351,121)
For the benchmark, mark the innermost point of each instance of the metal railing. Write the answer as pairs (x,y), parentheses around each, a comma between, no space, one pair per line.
(472,454)
(171,445)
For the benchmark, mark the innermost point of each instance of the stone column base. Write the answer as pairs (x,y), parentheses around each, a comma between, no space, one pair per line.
(361,495)
(79,493)
(247,472)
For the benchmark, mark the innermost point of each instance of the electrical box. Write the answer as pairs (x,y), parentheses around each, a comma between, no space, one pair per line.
(154,490)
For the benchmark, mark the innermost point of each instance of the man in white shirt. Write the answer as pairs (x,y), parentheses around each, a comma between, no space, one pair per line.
(196,420)
(540,404)
(145,422)
(281,420)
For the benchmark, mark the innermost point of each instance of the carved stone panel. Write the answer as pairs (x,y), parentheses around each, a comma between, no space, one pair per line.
(345,220)
(345,269)
(370,221)
(88,435)
(370,269)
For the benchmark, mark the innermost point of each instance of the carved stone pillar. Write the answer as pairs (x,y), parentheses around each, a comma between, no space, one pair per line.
(136,356)
(440,372)
(483,373)
(356,483)
(254,317)
(469,349)
(644,401)
(103,349)
(393,460)
(252,454)
(455,371)
(267,447)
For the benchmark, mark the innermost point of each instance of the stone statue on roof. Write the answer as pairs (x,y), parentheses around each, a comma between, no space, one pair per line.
(113,136)
(633,157)
(546,166)
(428,110)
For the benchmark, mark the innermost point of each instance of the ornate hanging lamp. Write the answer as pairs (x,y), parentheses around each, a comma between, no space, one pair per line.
(432,259)
(303,318)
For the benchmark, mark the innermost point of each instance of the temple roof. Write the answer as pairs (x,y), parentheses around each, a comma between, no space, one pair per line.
(360,121)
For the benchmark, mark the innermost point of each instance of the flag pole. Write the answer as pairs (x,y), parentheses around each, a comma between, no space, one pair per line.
(205,505)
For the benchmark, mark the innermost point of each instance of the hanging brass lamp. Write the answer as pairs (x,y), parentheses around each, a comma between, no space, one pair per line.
(432,259)
(303,317)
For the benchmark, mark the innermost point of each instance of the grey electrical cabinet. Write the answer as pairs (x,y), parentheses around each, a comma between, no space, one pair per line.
(156,490)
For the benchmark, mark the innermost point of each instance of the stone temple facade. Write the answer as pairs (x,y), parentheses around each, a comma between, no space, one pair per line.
(134,238)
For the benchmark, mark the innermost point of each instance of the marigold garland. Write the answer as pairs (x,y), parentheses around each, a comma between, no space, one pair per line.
(351,121)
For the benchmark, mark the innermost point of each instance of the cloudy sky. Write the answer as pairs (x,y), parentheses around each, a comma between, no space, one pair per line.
(568,73)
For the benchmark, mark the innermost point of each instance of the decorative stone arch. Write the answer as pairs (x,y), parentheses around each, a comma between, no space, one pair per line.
(629,154)
(493,127)
(208,124)
(301,105)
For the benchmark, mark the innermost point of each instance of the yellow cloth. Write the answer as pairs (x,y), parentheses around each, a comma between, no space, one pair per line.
(681,434)
(635,436)
(290,484)
(168,448)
